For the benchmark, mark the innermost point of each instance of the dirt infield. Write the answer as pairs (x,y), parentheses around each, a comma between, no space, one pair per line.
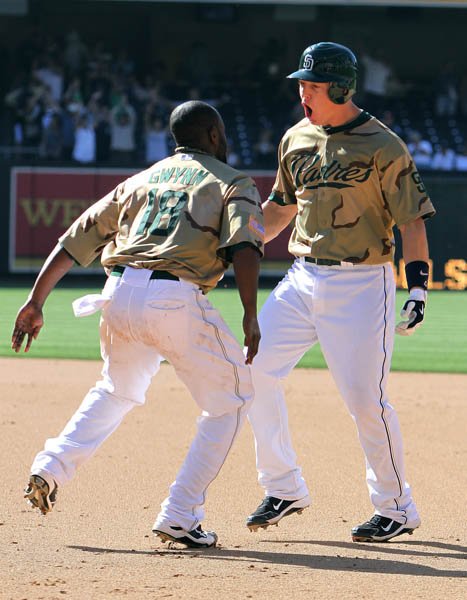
(97,543)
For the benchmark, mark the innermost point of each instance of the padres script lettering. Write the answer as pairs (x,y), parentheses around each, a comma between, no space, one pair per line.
(309,176)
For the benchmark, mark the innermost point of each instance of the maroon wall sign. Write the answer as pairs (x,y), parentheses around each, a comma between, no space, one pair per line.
(46,201)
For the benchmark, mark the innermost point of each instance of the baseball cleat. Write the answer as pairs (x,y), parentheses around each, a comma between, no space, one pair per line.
(196,538)
(39,495)
(380,529)
(272,510)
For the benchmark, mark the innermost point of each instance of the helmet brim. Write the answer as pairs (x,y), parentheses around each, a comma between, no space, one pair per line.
(307,75)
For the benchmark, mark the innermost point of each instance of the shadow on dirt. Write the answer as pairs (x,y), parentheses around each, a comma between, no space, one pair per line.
(321,562)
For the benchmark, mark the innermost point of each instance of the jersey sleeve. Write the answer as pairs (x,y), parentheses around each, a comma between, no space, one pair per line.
(283,190)
(242,218)
(94,229)
(404,193)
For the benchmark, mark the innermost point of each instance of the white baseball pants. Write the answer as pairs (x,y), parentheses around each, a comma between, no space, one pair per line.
(350,311)
(144,321)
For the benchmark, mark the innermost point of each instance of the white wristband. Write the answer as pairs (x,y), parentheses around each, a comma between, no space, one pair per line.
(418,294)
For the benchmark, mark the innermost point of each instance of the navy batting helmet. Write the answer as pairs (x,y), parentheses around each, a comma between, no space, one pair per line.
(329,62)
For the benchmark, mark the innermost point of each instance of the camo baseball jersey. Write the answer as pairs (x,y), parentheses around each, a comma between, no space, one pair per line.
(351,185)
(181,215)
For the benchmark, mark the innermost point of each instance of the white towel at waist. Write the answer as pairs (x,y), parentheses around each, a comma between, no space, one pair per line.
(91,303)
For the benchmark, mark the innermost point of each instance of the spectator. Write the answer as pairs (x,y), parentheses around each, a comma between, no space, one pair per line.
(51,75)
(98,80)
(156,138)
(420,149)
(444,158)
(68,133)
(158,105)
(52,139)
(84,150)
(137,91)
(17,92)
(101,121)
(118,93)
(103,133)
(24,102)
(50,108)
(122,131)
(31,118)
(14,101)
(461,159)
(73,96)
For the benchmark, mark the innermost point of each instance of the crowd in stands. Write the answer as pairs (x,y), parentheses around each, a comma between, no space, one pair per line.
(85,105)
(71,101)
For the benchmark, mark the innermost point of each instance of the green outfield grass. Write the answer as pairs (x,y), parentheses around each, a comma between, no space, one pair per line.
(439,346)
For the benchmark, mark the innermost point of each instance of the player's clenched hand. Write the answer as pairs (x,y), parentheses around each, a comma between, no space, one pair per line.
(252,337)
(413,312)
(29,321)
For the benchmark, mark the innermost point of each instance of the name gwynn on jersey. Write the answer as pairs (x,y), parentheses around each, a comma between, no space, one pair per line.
(185,176)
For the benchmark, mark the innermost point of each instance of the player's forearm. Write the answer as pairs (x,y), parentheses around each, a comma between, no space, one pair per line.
(246,268)
(58,263)
(276,218)
(414,241)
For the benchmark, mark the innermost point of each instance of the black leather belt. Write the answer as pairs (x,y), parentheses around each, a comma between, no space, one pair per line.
(118,272)
(325,262)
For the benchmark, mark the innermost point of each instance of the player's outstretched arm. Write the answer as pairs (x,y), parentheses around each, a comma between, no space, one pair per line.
(276,218)
(246,268)
(415,254)
(29,319)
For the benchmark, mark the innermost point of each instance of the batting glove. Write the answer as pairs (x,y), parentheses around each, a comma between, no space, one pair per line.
(413,311)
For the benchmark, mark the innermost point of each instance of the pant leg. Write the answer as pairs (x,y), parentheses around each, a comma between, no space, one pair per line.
(129,366)
(355,324)
(287,332)
(209,360)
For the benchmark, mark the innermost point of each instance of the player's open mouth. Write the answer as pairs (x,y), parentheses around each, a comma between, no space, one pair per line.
(307,110)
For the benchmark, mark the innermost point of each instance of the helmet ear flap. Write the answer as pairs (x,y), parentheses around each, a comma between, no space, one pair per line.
(337,93)
(340,94)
